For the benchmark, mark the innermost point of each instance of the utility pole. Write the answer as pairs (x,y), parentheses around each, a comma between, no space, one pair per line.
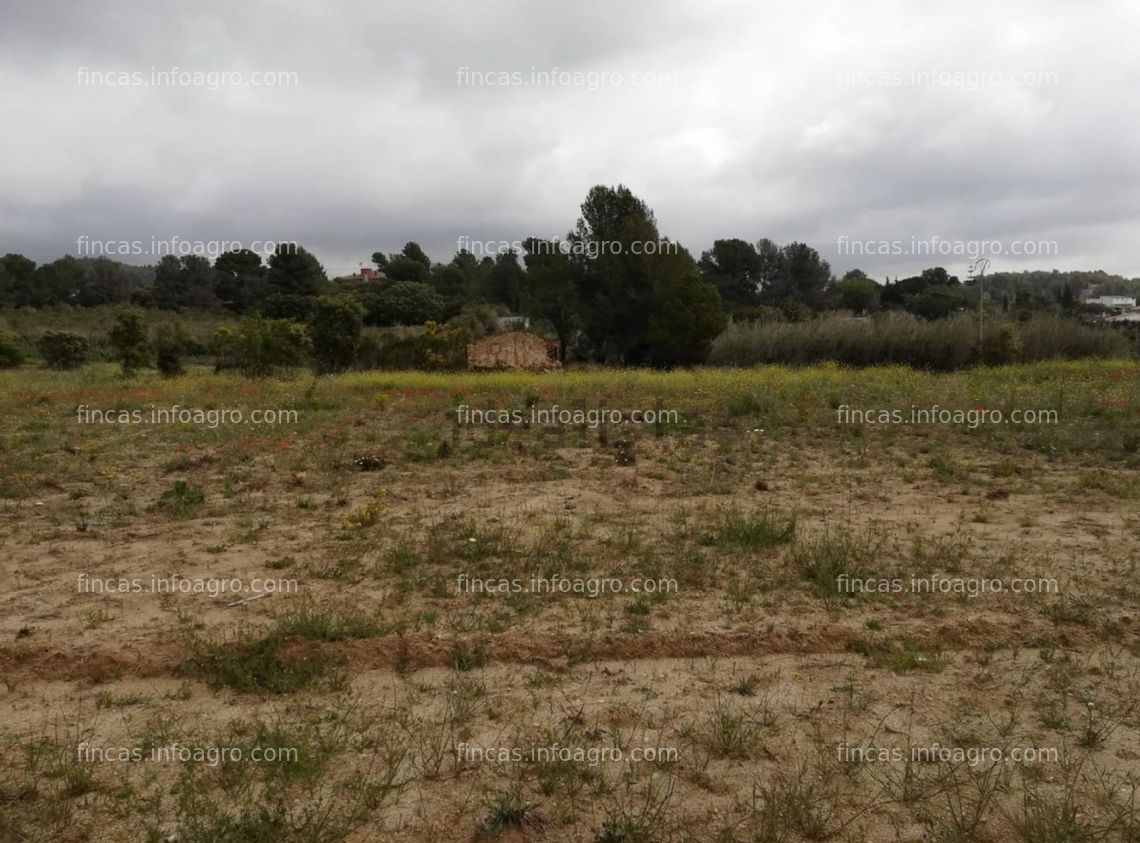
(977,273)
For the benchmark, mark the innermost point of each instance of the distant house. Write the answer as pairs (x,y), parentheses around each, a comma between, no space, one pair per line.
(367,273)
(513,350)
(1113,302)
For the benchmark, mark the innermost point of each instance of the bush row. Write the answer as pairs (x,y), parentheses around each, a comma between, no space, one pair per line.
(899,338)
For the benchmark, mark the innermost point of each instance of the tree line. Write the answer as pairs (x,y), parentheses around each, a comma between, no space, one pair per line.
(599,292)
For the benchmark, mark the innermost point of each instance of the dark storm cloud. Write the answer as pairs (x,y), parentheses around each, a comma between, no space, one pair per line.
(771,120)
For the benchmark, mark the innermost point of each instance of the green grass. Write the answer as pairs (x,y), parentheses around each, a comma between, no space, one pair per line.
(824,559)
(307,620)
(508,809)
(753,530)
(735,733)
(1097,402)
(181,500)
(900,656)
(699,516)
(254,665)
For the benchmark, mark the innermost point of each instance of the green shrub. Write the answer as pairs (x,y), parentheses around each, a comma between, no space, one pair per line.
(404,303)
(477,320)
(251,665)
(11,350)
(128,338)
(796,311)
(758,313)
(509,810)
(759,529)
(1048,338)
(62,349)
(168,347)
(334,329)
(318,623)
(370,349)
(899,338)
(181,499)
(427,351)
(258,347)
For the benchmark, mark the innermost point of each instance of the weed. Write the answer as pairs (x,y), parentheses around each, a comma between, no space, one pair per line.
(466,656)
(318,623)
(508,809)
(632,820)
(746,686)
(254,665)
(181,500)
(830,561)
(755,530)
(899,656)
(368,513)
(734,734)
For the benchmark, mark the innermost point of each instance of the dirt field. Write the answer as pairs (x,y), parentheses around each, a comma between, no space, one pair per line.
(755,620)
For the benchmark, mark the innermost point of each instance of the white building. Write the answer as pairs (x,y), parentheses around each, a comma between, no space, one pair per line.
(512,323)
(1113,302)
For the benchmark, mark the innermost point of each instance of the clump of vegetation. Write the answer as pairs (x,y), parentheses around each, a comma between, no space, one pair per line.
(319,623)
(129,340)
(11,350)
(63,349)
(1068,610)
(735,733)
(507,809)
(181,499)
(466,656)
(806,800)
(334,328)
(368,513)
(633,820)
(254,665)
(747,685)
(899,656)
(759,529)
(402,558)
(259,347)
(169,346)
(892,338)
(438,348)
(824,559)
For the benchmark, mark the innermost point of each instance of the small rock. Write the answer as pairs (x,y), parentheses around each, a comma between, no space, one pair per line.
(623,452)
(368,462)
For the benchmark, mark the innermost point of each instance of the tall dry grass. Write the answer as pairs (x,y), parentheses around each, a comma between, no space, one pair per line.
(899,338)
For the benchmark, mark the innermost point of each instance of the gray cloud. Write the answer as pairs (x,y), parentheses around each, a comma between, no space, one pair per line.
(790,121)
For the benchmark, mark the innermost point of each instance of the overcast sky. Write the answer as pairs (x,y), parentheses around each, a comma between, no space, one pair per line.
(1015,123)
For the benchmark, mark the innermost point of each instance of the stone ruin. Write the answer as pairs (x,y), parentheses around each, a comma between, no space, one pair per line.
(513,350)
